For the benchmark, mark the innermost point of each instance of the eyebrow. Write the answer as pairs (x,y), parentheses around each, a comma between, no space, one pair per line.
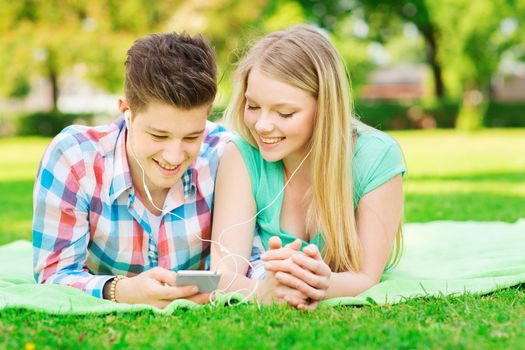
(277,105)
(167,132)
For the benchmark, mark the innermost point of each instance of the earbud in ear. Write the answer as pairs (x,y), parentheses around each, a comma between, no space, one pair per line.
(127,117)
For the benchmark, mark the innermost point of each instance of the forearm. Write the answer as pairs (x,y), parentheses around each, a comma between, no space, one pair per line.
(65,266)
(235,282)
(349,284)
(89,283)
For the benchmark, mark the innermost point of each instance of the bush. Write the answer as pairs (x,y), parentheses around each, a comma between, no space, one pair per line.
(505,115)
(49,123)
(383,115)
(398,115)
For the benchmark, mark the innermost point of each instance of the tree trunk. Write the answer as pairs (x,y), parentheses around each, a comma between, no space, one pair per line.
(431,54)
(53,79)
(52,75)
(472,111)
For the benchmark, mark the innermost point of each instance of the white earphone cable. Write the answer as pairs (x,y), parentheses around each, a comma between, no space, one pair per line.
(218,242)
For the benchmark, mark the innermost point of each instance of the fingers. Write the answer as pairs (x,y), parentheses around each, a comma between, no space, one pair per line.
(163,276)
(318,267)
(308,307)
(172,293)
(278,254)
(166,289)
(282,253)
(295,245)
(295,298)
(275,242)
(199,299)
(279,265)
(318,281)
(202,298)
(293,282)
(291,296)
(294,301)
(312,251)
(161,304)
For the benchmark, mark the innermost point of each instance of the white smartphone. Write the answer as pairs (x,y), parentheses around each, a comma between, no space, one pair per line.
(207,281)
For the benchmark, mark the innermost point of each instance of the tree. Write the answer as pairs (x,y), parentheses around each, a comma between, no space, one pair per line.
(229,25)
(473,43)
(385,19)
(49,37)
(464,39)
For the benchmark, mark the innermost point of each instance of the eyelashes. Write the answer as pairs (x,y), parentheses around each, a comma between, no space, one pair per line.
(283,115)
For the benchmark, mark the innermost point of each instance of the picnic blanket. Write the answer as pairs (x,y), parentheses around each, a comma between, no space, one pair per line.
(439,258)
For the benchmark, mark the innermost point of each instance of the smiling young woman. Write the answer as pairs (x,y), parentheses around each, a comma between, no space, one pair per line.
(315,178)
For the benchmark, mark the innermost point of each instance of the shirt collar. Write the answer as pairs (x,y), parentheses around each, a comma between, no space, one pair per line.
(121,180)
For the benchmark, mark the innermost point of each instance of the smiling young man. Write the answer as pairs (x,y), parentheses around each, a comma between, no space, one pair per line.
(118,208)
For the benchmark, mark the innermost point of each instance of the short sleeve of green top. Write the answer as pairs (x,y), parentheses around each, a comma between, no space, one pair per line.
(377,159)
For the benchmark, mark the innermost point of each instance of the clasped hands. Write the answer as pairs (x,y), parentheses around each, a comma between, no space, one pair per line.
(301,279)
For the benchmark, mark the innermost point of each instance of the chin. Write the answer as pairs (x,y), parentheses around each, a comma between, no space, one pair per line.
(271,157)
(162,182)
(167,183)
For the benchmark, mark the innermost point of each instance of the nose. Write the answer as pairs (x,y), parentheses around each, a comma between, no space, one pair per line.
(174,153)
(264,123)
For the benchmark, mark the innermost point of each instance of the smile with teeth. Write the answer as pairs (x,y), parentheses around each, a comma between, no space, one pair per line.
(167,166)
(271,139)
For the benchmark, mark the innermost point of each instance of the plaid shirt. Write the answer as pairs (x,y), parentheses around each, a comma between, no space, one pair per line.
(89,225)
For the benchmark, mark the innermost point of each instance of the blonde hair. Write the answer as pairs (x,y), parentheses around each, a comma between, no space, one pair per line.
(304,58)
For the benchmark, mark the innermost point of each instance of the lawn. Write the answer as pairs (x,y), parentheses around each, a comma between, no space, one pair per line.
(451,176)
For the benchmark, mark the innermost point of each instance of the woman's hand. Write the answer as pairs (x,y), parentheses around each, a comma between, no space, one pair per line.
(156,287)
(305,272)
(270,289)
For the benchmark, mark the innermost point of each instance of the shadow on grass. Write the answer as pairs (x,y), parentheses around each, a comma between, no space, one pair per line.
(515,177)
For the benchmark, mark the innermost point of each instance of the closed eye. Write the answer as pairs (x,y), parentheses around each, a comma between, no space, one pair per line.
(252,108)
(158,137)
(286,115)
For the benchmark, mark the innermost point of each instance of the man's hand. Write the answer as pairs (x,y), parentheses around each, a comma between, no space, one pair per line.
(156,287)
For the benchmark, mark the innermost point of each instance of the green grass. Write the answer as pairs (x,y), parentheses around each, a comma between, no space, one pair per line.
(451,176)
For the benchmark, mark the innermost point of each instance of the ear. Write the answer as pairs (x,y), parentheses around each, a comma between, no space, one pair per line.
(122,104)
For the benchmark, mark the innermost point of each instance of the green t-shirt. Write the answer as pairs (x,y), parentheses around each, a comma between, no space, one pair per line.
(377,159)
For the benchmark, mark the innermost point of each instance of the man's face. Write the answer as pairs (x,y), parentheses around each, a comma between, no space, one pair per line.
(165,140)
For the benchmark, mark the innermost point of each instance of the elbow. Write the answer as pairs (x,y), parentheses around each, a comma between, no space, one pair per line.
(373,279)
(369,281)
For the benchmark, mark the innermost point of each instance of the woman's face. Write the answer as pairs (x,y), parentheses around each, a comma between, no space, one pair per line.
(279,116)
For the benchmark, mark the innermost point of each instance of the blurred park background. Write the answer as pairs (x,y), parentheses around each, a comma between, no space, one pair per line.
(413,64)
(437,65)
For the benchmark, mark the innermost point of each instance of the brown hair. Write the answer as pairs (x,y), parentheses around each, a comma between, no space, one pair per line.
(176,69)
